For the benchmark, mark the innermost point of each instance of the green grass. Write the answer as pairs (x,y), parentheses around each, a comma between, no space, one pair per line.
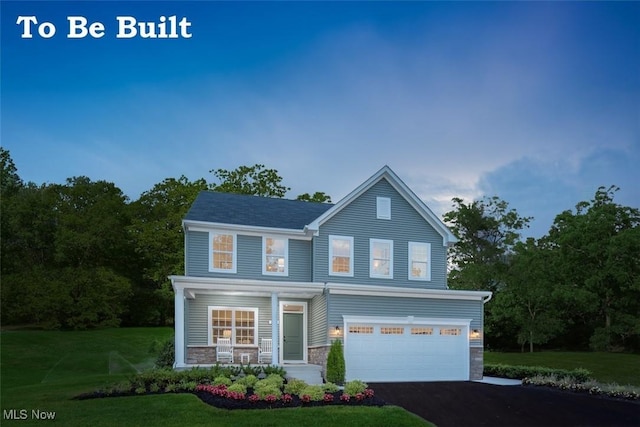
(44,370)
(620,368)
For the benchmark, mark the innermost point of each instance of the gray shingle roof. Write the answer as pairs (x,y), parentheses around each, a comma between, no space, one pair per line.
(239,209)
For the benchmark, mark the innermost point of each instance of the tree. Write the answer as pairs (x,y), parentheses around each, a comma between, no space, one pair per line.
(10,181)
(597,249)
(487,231)
(156,229)
(335,363)
(252,180)
(318,197)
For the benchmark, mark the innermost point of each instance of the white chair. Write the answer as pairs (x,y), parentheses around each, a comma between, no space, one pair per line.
(224,350)
(265,351)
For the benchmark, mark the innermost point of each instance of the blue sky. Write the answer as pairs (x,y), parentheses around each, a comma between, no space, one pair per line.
(537,103)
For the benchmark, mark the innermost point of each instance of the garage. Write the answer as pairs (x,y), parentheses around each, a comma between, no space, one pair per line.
(406,349)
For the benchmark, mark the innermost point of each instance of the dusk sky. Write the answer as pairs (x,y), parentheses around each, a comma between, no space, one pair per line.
(535,102)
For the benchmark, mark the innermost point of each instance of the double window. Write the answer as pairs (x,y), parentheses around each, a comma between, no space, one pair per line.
(275,254)
(238,324)
(222,253)
(341,255)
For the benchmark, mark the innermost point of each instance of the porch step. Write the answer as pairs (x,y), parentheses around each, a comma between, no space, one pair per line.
(311,374)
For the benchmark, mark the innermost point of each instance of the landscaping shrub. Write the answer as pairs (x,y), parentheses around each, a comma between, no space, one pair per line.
(222,381)
(354,387)
(238,388)
(249,381)
(315,393)
(330,387)
(520,372)
(294,386)
(266,388)
(274,369)
(275,379)
(166,353)
(335,363)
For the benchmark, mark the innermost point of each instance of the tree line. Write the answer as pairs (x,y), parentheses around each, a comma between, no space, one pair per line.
(82,255)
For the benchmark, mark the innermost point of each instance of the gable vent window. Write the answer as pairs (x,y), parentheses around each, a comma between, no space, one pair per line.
(383,208)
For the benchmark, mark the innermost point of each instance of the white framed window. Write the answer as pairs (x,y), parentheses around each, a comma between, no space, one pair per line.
(238,323)
(222,252)
(275,256)
(341,256)
(383,208)
(360,329)
(419,261)
(381,258)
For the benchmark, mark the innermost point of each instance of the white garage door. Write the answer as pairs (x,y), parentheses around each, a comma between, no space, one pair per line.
(385,351)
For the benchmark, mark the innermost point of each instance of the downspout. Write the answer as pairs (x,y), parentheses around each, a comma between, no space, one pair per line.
(488,298)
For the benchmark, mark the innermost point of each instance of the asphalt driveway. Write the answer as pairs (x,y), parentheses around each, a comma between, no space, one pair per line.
(470,404)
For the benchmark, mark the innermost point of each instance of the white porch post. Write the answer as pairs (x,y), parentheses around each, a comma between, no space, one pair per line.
(179,326)
(274,329)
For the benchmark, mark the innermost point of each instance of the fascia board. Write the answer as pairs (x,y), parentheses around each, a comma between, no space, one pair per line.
(249,230)
(368,290)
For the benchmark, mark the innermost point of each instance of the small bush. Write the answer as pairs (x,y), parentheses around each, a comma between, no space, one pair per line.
(249,381)
(330,387)
(275,379)
(252,370)
(335,363)
(520,372)
(274,369)
(354,387)
(222,381)
(265,388)
(294,386)
(166,353)
(315,392)
(238,388)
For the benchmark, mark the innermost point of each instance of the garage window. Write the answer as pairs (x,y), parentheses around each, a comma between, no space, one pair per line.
(360,329)
(391,331)
(421,331)
(450,331)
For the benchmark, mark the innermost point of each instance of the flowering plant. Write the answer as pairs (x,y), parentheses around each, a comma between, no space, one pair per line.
(345,397)
(305,398)
(328,398)
(270,398)
(286,398)
(254,398)
(368,393)
(359,397)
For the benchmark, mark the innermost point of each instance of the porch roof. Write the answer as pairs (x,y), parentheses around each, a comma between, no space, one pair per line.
(244,287)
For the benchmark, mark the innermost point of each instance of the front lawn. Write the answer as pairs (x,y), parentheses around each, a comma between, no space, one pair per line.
(620,368)
(44,370)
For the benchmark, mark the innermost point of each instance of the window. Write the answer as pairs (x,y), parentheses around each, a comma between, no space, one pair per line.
(419,261)
(360,329)
(391,331)
(381,254)
(421,331)
(222,252)
(450,331)
(275,253)
(383,208)
(239,324)
(340,256)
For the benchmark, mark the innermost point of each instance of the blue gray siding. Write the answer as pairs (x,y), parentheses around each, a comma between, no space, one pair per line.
(318,327)
(358,219)
(197,315)
(249,258)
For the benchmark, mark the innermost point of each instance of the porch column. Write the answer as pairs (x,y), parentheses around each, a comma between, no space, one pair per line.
(275,329)
(178,321)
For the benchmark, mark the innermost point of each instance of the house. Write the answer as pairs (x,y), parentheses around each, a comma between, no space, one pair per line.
(369,270)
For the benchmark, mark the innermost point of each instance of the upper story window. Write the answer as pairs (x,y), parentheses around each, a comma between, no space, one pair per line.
(275,254)
(383,208)
(341,255)
(381,254)
(222,254)
(419,261)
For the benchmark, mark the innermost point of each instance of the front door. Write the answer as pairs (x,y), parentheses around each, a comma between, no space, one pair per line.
(293,336)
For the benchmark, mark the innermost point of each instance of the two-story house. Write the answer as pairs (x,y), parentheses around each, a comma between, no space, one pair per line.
(370,270)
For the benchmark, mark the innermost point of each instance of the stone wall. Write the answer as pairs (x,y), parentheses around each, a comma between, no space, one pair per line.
(207,355)
(476,361)
(318,356)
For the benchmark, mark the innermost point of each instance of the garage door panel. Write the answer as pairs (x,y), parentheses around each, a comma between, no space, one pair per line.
(424,355)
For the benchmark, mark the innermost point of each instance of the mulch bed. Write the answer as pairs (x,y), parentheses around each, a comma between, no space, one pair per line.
(469,404)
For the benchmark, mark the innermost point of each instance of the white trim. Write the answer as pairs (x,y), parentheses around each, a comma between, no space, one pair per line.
(387,291)
(383,207)
(234,259)
(385,172)
(372,273)
(428,275)
(264,256)
(331,238)
(281,311)
(246,230)
(256,326)
(233,286)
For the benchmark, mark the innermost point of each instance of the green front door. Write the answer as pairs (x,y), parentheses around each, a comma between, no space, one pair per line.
(293,338)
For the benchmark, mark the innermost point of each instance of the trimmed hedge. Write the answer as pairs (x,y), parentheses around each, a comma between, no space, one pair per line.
(521,372)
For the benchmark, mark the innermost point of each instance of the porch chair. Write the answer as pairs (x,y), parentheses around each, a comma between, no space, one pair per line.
(265,351)
(224,350)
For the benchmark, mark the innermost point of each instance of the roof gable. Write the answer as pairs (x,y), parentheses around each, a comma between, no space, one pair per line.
(254,211)
(387,174)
